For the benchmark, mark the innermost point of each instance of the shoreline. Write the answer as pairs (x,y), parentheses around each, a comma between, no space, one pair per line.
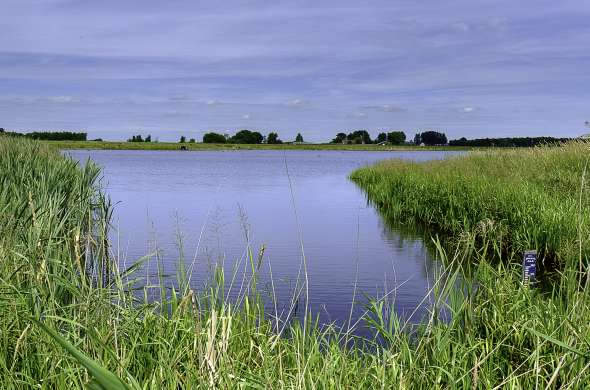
(116,145)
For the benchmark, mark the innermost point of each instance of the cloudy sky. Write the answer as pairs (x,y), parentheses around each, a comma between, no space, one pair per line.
(468,68)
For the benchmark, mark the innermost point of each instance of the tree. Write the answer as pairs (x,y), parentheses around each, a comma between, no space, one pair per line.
(433,138)
(148,138)
(340,139)
(214,138)
(299,138)
(417,139)
(273,138)
(381,137)
(396,137)
(191,141)
(135,138)
(182,139)
(1,129)
(359,137)
(247,137)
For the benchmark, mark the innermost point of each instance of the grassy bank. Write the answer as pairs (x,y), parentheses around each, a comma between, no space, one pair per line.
(69,316)
(521,199)
(113,145)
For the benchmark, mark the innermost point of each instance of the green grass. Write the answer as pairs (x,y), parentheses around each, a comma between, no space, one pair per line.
(69,318)
(114,145)
(522,199)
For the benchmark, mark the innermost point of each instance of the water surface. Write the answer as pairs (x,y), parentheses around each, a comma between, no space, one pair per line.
(294,203)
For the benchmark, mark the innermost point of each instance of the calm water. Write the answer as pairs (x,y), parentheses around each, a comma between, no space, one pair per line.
(219,201)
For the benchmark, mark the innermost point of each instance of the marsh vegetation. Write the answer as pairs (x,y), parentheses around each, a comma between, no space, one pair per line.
(71,317)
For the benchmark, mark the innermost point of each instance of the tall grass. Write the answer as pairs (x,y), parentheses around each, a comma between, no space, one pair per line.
(70,318)
(522,199)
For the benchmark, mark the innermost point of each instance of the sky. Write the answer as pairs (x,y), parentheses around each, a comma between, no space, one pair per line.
(168,68)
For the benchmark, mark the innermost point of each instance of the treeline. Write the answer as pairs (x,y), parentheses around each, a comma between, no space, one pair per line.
(429,138)
(363,137)
(49,135)
(514,142)
(246,137)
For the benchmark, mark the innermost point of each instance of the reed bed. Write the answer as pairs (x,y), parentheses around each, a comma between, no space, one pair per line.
(71,318)
(521,199)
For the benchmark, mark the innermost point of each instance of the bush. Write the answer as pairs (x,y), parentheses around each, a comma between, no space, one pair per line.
(273,138)
(247,137)
(433,138)
(214,138)
(396,137)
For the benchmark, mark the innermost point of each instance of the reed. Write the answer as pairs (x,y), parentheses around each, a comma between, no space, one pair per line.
(71,318)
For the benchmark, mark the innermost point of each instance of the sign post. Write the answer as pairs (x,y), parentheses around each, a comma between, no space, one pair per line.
(529,267)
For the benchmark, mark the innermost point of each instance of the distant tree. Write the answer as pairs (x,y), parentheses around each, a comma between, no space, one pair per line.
(517,142)
(417,139)
(135,138)
(396,137)
(381,137)
(1,129)
(433,138)
(57,136)
(214,138)
(273,138)
(359,137)
(182,139)
(299,138)
(191,141)
(246,137)
(148,138)
(340,139)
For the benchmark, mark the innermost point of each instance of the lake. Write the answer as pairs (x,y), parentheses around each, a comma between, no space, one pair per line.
(209,207)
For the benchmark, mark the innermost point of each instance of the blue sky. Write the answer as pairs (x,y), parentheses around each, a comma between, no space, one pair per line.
(468,68)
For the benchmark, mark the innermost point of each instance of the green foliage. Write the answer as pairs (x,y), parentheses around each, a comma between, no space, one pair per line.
(182,139)
(49,135)
(359,137)
(156,145)
(273,138)
(516,142)
(70,318)
(298,138)
(433,138)
(246,137)
(135,138)
(381,137)
(531,198)
(396,137)
(340,139)
(214,138)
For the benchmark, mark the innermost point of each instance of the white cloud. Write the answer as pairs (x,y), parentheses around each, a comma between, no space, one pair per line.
(246,116)
(62,99)
(468,109)
(295,103)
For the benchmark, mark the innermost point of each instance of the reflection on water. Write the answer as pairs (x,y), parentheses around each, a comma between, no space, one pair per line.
(216,204)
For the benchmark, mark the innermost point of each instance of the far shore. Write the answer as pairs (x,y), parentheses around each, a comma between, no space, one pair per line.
(198,146)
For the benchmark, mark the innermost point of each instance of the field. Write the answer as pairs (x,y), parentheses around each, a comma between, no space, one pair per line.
(113,145)
(71,318)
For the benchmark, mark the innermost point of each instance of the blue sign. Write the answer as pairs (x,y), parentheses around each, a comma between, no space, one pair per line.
(529,267)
